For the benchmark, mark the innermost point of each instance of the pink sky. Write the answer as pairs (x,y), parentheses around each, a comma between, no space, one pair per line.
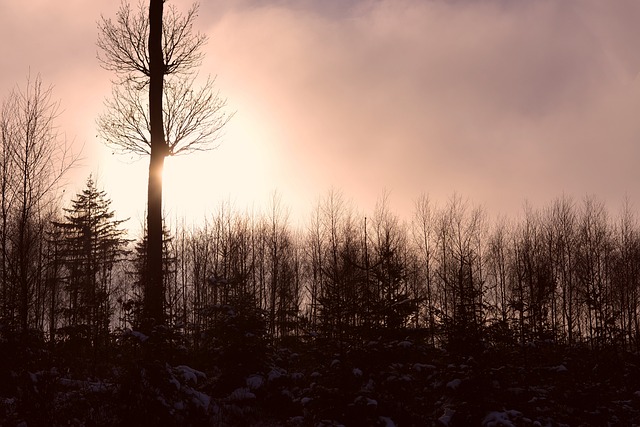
(501,101)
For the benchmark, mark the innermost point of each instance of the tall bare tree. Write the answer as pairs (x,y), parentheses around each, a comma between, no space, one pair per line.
(156,108)
(34,161)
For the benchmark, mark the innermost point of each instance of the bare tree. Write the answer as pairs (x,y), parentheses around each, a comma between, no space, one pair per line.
(627,273)
(562,222)
(156,109)
(593,265)
(460,235)
(423,233)
(389,246)
(34,161)
(7,166)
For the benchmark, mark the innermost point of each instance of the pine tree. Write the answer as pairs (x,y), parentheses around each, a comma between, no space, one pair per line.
(92,244)
(139,273)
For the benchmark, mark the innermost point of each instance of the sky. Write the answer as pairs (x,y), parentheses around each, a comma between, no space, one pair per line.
(500,101)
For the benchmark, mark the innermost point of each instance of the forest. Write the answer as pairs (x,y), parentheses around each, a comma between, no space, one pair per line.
(448,317)
(353,319)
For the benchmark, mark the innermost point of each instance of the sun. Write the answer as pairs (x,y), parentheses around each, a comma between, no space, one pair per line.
(186,184)
(240,170)
(243,170)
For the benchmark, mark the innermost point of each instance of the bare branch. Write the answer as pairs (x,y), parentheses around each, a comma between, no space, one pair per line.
(181,46)
(125,125)
(123,45)
(193,117)
(38,155)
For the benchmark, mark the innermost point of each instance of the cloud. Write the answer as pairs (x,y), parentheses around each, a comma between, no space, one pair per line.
(503,100)
(499,100)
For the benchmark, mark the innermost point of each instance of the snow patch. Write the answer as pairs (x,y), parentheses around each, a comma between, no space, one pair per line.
(445,419)
(419,367)
(296,421)
(454,384)
(254,382)
(241,394)
(136,334)
(92,386)
(276,373)
(387,422)
(501,419)
(200,399)
(369,386)
(189,374)
(175,382)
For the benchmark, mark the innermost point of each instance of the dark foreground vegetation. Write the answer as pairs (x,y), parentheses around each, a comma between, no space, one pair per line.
(447,319)
(314,382)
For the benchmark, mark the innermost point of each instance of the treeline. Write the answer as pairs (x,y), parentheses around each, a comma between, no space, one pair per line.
(450,275)
(567,273)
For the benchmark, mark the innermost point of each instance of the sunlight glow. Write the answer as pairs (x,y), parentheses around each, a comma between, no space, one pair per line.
(242,170)
(239,170)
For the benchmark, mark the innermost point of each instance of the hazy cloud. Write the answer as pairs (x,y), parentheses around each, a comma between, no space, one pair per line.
(499,100)
(502,100)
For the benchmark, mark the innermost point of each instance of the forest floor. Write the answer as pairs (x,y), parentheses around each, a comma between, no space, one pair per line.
(320,383)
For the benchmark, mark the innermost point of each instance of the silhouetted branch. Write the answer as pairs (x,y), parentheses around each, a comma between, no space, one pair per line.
(193,117)
(123,44)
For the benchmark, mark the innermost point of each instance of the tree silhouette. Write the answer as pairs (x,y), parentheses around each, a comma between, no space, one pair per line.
(92,242)
(34,159)
(156,109)
(139,271)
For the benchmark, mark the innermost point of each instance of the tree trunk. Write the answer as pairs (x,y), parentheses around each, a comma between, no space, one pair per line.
(154,295)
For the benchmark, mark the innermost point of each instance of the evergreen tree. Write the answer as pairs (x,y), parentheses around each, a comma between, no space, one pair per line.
(92,244)
(140,278)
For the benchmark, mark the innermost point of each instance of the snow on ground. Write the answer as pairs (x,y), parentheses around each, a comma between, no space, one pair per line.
(276,373)
(454,384)
(189,375)
(445,419)
(92,386)
(241,394)
(388,422)
(200,399)
(254,382)
(419,367)
(136,334)
(501,419)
